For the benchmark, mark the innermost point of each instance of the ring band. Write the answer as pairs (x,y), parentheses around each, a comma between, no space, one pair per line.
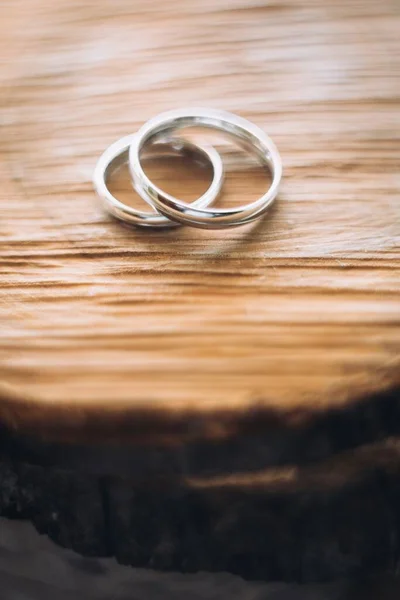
(249,135)
(117,154)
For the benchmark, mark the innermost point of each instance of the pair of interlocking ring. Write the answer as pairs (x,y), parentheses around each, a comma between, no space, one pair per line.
(168,211)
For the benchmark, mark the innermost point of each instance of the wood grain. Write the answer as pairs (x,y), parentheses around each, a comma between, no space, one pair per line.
(299,312)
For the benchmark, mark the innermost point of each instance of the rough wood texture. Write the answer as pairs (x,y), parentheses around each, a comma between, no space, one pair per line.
(35,569)
(299,312)
(315,523)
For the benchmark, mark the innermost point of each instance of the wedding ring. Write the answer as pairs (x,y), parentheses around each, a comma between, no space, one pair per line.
(246,134)
(117,154)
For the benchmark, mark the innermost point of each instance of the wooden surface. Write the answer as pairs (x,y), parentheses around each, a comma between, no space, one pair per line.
(295,314)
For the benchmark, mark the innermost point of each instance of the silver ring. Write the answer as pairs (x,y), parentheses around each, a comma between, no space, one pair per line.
(249,135)
(117,154)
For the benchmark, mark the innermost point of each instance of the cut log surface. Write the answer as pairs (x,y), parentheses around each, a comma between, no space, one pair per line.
(298,312)
(191,399)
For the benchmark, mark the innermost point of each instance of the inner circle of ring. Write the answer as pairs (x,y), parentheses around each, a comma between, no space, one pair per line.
(117,153)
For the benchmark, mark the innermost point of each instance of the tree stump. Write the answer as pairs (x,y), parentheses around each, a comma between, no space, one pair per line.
(203,401)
